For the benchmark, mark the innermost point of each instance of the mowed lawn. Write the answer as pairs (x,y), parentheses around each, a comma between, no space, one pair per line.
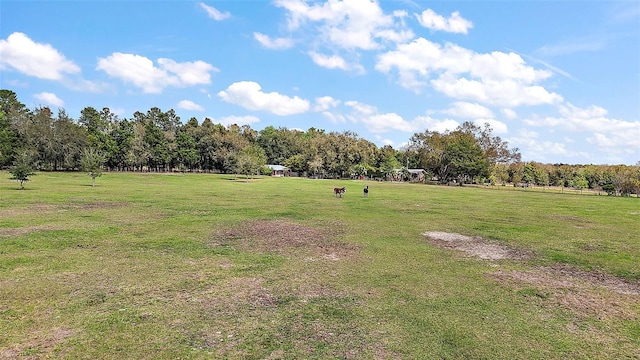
(169,266)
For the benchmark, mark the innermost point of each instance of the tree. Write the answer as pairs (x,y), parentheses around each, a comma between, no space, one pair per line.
(92,163)
(296,163)
(466,157)
(7,139)
(187,149)
(579,182)
(12,114)
(250,160)
(22,169)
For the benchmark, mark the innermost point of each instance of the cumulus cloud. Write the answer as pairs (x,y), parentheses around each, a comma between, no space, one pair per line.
(237,120)
(508,93)
(43,61)
(509,114)
(330,62)
(325,103)
(274,44)
(374,121)
(496,78)
(189,105)
(377,122)
(611,135)
(143,73)
(422,123)
(347,24)
(498,126)
(533,147)
(249,95)
(454,24)
(214,13)
(49,99)
(334,62)
(468,110)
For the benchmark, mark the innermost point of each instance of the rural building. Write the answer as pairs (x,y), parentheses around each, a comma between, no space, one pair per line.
(279,170)
(417,174)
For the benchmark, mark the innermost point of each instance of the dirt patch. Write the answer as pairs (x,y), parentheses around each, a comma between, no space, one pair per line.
(39,345)
(11,232)
(474,246)
(250,292)
(287,238)
(587,293)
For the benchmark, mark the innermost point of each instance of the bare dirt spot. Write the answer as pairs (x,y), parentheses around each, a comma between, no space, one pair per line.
(11,232)
(39,345)
(586,293)
(474,246)
(251,292)
(287,238)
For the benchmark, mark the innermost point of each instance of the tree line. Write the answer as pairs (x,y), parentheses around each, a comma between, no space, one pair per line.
(159,141)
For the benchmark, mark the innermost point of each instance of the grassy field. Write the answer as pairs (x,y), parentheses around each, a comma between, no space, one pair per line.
(159,266)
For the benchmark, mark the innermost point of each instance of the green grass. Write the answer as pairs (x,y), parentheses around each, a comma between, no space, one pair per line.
(136,268)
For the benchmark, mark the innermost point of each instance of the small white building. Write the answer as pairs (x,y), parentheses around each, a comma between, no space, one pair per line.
(278,170)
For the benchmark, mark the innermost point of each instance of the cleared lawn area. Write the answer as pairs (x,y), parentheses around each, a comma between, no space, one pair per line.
(164,266)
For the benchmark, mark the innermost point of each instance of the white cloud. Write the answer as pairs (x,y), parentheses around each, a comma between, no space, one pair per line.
(374,121)
(423,123)
(496,78)
(380,123)
(611,135)
(249,95)
(347,24)
(334,62)
(83,85)
(387,142)
(455,23)
(506,93)
(214,13)
(325,103)
(274,44)
(509,114)
(188,73)
(237,120)
(142,73)
(189,105)
(468,110)
(43,61)
(533,148)
(330,62)
(498,126)
(49,99)
(334,117)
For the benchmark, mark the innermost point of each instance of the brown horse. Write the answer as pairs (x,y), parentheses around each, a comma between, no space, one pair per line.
(339,191)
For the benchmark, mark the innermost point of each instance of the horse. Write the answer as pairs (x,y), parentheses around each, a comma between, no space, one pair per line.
(339,191)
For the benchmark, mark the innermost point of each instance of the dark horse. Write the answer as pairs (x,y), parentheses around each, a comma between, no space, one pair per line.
(339,191)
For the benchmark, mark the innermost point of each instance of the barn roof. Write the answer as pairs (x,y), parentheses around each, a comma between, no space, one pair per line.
(277,167)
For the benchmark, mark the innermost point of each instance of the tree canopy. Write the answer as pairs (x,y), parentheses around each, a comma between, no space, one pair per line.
(158,140)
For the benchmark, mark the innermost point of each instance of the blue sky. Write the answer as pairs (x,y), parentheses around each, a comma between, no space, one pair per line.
(560,80)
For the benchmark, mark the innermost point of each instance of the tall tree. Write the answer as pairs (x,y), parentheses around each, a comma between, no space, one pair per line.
(13,114)
(466,157)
